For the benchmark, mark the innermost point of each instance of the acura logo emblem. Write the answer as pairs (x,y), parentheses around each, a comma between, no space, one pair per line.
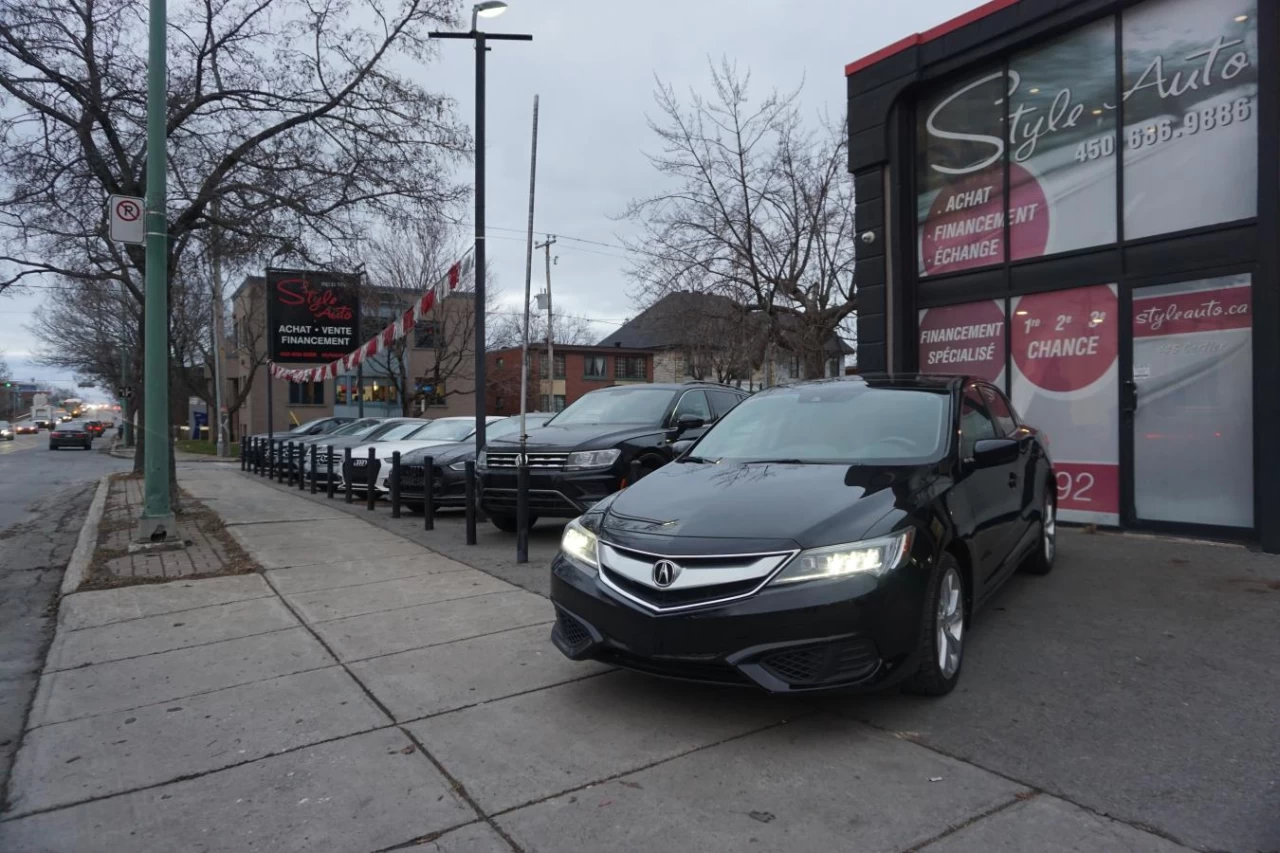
(665,573)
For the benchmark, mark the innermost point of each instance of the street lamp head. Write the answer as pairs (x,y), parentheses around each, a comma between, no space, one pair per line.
(486,9)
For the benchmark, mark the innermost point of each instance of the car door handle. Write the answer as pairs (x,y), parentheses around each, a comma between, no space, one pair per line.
(1013,481)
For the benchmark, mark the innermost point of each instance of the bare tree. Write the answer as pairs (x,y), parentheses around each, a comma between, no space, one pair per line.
(288,129)
(570,330)
(760,210)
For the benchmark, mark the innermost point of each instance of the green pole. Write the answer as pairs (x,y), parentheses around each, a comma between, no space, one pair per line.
(157,517)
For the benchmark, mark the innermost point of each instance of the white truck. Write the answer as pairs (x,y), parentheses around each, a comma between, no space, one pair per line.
(43,417)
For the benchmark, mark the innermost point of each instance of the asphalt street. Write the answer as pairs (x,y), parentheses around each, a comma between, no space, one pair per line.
(43,500)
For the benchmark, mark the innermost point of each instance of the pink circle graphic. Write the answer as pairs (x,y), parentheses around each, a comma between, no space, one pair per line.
(965,225)
(1067,339)
(963,339)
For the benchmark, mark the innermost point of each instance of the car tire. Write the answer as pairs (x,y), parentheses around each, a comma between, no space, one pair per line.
(1040,561)
(944,620)
(507,523)
(412,506)
(52,447)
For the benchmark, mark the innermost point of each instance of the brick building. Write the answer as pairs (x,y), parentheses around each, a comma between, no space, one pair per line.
(578,369)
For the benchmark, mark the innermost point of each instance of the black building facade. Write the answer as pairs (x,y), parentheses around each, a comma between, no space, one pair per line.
(1080,201)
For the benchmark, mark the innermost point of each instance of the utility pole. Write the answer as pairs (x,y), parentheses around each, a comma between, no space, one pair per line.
(551,360)
(156,523)
(216,264)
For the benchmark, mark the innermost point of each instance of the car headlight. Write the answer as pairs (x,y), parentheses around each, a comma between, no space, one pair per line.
(459,466)
(482,459)
(870,557)
(585,459)
(579,544)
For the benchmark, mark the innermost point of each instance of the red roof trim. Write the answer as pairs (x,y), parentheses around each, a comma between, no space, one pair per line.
(929,35)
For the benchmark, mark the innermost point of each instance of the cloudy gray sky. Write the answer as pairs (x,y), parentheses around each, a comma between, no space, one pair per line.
(593,64)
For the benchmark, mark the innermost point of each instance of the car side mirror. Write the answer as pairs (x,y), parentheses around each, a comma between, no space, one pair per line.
(688,422)
(991,452)
(680,448)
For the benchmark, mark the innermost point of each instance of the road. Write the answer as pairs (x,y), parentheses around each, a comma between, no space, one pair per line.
(43,500)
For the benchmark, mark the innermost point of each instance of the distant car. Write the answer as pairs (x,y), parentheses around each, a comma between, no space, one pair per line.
(95,428)
(27,428)
(70,434)
(439,432)
(449,462)
(6,431)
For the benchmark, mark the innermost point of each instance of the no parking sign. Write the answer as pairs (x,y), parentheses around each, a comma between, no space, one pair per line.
(126,216)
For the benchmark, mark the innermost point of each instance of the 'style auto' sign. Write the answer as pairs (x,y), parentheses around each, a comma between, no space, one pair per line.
(312,316)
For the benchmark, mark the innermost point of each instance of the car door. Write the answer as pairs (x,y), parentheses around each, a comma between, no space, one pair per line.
(693,402)
(986,490)
(1020,503)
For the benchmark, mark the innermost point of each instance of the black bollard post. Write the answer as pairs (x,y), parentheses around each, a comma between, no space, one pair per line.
(280,459)
(302,467)
(346,474)
(314,467)
(371,495)
(262,457)
(429,493)
(522,511)
(471,502)
(243,450)
(634,474)
(394,482)
(328,472)
(271,454)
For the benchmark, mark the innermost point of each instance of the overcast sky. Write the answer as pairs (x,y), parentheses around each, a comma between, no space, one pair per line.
(593,64)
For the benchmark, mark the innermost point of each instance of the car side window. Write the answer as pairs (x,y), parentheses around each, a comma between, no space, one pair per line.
(1001,411)
(723,401)
(693,403)
(975,423)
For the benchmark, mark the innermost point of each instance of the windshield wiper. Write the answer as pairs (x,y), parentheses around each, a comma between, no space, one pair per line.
(698,460)
(775,462)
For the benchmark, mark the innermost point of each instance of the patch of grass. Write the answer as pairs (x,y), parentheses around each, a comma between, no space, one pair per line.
(208,448)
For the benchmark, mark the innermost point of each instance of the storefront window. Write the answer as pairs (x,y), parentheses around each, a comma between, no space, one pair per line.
(1065,346)
(1193,427)
(967,338)
(1190,111)
(960,175)
(1062,134)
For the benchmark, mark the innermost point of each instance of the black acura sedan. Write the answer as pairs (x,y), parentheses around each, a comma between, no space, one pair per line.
(835,534)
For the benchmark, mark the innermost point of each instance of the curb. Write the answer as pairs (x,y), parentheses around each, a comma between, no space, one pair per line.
(88,541)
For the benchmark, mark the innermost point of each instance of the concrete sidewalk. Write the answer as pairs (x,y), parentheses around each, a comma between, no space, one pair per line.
(364,694)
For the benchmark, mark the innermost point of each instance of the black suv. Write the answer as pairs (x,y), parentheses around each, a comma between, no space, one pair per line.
(584,454)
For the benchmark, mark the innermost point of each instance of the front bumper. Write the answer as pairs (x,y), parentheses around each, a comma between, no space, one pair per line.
(70,442)
(552,494)
(850,635)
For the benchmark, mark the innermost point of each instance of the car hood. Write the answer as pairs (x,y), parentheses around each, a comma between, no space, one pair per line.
(577,436)
(762,505)
(384,449)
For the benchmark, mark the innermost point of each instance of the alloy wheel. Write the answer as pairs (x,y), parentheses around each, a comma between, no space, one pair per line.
(1049,525)
(950,623)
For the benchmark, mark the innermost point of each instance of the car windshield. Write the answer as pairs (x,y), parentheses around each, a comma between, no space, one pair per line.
(633,405)
(401,430)
(70,426)
(358,428)
(511,426)
(448,429)
(302,428)
(844,423)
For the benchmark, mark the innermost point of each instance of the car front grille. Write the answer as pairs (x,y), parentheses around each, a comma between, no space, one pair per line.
(845,660)
(703,581)
(541,501)
(358,473)
(541,461)
(690,669)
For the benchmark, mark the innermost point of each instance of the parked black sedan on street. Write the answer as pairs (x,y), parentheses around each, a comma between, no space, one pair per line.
(835,534)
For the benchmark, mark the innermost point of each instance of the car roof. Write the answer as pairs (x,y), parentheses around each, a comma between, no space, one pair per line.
(890,381)
(675,386)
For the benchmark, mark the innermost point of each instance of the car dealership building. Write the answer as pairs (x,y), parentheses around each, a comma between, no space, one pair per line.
(1078,200)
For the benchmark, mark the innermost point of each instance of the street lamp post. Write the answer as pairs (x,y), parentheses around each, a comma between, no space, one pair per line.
(486,9)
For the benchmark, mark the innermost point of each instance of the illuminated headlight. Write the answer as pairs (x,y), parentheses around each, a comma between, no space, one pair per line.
(458,466)
(585,459)
(871,557)
(482,459)
(579,544)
